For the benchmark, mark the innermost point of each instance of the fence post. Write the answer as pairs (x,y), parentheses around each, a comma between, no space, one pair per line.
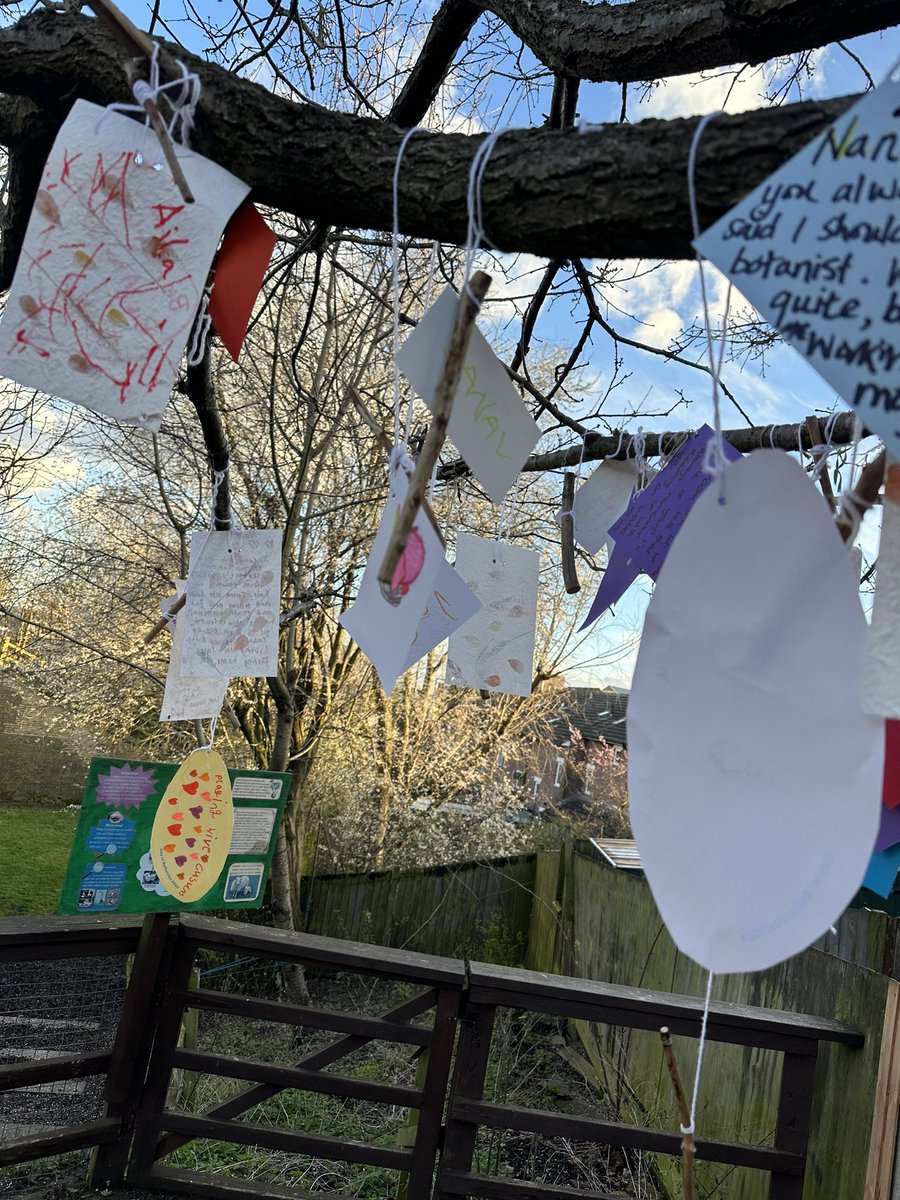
(795,1099)
(434,1089)
(472,1054)
(132,1047)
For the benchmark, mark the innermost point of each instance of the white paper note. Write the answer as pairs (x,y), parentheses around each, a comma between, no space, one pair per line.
(232,610)
(113,268)
(602,499)
(490,425)
(881,695)
(495,651)
(383,630)
(188,697)
(754,776)
(816,248)
(450,606)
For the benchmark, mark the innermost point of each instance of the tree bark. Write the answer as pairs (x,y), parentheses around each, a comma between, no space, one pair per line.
(619,191)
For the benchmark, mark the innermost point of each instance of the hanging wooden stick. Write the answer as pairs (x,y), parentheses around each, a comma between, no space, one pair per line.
(469,304)
(567,535)
(684,1113)
(815,439)
(140,45)
(385,442)
(163,621)
(857,503)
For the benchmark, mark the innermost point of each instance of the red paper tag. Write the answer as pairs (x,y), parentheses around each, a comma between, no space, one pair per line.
(240,268)
(890,792)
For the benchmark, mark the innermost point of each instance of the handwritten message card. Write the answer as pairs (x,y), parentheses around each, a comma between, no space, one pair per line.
(383,624)
(188,697)
(752,849)
(647,528)
(450,606)
(816,248)
(490,425)
(112,268)
(232,610)
(495,650)
(601,499)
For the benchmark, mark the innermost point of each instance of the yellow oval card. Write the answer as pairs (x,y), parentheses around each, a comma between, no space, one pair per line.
(191,833)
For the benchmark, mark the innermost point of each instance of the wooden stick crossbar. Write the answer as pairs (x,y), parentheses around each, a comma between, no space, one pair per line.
(469,304)
(567,535)
(684,1112)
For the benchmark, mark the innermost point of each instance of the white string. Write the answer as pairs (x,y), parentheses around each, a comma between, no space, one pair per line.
(476,235)
(395,273)
(202,326)
(212,731)
(218,478)
(184,105)
(701,1050)
(714,459)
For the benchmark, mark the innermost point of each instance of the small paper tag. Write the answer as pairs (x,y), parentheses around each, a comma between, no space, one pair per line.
(450,606)
(816,248)
(384,628)
(241,266)
(490,425)
(495,650)
(188,697)
(603,498)
(232,609)
(113,268)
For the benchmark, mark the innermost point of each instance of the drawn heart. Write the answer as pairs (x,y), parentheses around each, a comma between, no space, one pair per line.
(189,842)
(493,681)
(180,860)
(516,665)
(172,800)
(177,816)
(175,830)
(193,774)
(181,874)
(198,829)
(205,776)
(516,611)
(190,788)
(170,849)
(196,812)
(195,856)
(204,858)
(206,796)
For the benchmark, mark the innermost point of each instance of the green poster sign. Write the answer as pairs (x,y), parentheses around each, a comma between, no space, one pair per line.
(110,869)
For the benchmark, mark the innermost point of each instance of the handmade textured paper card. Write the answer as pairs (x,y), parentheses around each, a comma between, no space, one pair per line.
(752,846)
(814,248)
(240,269)
(495,650)
(113,268)
(188,697)
(449,607)
(647,527)
(603,498)
(881,694)
(232,610)
(191,832)
(384,624)
(490,425)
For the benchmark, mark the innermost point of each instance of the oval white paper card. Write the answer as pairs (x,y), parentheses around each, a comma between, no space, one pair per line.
(754,775)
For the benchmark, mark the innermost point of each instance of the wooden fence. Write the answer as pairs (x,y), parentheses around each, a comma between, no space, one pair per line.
(472,910)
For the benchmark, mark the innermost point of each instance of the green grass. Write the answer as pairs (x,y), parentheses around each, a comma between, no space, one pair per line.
(34,851)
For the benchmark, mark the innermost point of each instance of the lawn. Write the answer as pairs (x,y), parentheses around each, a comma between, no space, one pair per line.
(34,850)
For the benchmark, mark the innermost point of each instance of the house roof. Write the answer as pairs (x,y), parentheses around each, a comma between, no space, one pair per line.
(595,712)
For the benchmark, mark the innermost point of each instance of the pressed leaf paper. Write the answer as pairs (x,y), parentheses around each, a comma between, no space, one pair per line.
(113,268)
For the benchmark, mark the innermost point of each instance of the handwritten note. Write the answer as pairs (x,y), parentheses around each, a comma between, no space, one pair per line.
(112,268)
(603,498)
(495,650)
(233,593)
(647,528)
(490,425)
(384,625)
(449,608)
(816,248)
(188,697)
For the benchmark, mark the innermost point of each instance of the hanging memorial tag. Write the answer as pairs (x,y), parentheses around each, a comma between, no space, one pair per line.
(603,498)
(384,625)
(881,694)
(645,531)
(113,268)
(495,651)
(232,610)
(188,697)
(449,607)
(751,845)
(192,829)
(490,426)
(241,266)
(816,248)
